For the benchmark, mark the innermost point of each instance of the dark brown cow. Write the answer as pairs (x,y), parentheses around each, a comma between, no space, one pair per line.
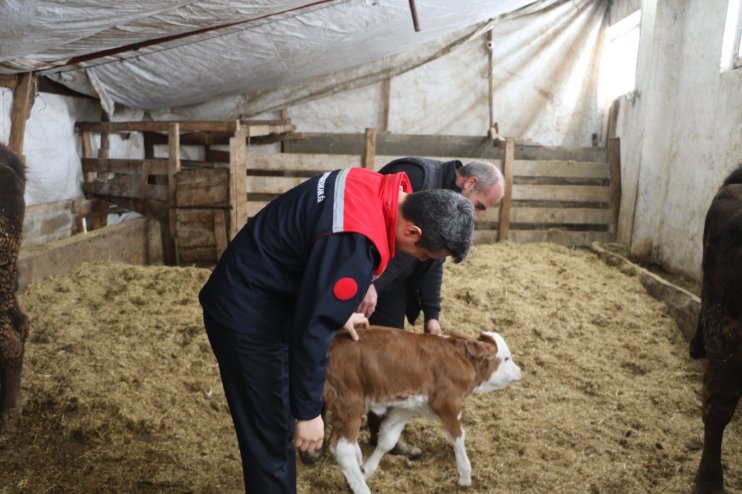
(719,334)
(13,325)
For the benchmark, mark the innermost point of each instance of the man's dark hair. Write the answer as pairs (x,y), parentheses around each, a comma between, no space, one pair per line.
(487,174)
(445,218)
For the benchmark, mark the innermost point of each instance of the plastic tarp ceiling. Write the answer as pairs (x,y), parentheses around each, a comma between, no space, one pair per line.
(210,49)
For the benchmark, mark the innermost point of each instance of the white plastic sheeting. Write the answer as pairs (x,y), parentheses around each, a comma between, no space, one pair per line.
(320,62)
(272,50)
(546,61)
(52,148)
(52,160)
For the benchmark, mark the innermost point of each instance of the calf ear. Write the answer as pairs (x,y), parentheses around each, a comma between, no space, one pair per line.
(475,349)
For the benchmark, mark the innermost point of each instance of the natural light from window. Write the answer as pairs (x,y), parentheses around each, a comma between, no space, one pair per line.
(618,69)
(731,50)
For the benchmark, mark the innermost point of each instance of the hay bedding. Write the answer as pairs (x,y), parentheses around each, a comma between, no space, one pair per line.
(122,393)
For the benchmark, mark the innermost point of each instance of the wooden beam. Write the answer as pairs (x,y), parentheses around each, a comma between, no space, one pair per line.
(257,127)
(413,11)
(386,95)
(47,85)
(491,82)
(158,166)
(22,103)
(614,160)
(505,206)
(369,150)
(169,245)
(86,140)
(610,132)
(105,144)
(9,80)
(238,180)
(220,231)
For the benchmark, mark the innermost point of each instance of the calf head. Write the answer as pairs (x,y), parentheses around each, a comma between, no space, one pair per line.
(499,367)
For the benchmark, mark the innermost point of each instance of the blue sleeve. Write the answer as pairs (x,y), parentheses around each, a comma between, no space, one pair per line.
(321,310)
(429,290)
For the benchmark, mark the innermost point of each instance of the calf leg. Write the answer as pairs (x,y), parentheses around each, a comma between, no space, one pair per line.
(449,413)
(463,466)
(346,454)
(721,393)
(389,431)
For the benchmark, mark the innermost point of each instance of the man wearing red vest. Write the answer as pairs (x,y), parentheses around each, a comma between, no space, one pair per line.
(290,279)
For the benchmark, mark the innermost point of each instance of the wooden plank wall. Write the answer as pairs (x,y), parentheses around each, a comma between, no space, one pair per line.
(201,205)
(566,202)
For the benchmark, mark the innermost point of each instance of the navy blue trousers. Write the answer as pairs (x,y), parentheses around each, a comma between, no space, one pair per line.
(254,372)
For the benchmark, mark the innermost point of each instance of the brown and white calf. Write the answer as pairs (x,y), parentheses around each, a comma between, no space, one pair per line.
(719,334)
(403,375)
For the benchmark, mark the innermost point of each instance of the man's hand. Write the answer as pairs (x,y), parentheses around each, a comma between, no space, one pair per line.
(309,434)
(356,319)
(368,306)
(433,327)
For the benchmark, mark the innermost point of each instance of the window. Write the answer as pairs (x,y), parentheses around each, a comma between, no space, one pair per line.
(618,70)
(731,51)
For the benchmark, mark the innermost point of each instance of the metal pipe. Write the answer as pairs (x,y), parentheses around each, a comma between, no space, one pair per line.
(413,11)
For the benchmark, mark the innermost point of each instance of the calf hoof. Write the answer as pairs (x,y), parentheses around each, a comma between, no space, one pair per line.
(407,450)
(311,458)
(465,482)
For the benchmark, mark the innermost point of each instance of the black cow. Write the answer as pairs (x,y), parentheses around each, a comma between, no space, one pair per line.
(13,324)
(719,334)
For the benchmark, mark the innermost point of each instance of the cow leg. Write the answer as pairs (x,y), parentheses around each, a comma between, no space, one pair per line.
(721,392)
(389,431)
(346,454)
(10,399)
(13,332)
(697,349)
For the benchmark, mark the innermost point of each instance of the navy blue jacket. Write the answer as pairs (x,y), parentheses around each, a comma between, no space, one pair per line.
(278,278)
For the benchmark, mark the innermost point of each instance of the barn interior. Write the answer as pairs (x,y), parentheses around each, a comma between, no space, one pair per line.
(152,131)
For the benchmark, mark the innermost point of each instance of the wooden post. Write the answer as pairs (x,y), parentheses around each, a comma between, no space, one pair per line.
(386,95)
(149,146)
(237,180)
(87,152)
(491,85)
(220,231)
(169,231)
(22,103)
(614,161)
(369,151)
(105,145)
(506,204)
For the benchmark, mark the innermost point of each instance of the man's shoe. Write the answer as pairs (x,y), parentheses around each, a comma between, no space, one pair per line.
(407,450)
(311,458)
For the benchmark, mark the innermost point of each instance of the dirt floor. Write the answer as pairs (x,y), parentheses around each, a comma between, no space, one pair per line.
(122,393)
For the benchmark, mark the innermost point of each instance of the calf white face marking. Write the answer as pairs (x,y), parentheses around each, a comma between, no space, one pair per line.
(506,373)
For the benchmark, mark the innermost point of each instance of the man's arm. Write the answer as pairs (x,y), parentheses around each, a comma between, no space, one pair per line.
(336,277)
(429,292)
(400,266)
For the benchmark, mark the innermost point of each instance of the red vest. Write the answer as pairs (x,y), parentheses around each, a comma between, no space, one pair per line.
(366,202)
